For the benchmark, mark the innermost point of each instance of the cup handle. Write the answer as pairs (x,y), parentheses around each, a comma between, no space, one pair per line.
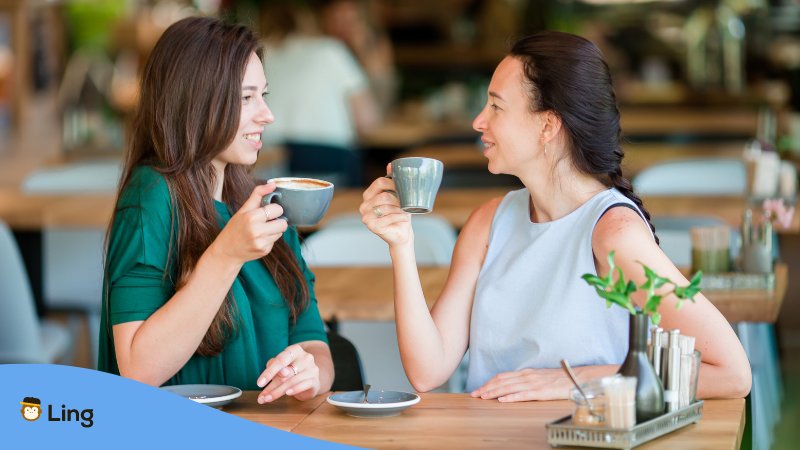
(389,176)
(273,197)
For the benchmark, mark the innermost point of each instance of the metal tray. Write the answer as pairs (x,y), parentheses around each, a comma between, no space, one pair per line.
(562,432)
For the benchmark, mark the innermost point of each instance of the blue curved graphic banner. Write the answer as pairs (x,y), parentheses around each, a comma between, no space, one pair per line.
(51,406)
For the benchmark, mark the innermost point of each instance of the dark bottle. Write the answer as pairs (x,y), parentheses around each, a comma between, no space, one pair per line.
(649,390)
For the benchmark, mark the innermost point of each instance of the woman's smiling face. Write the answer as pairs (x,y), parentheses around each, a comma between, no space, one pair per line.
(255,115)
(511,132)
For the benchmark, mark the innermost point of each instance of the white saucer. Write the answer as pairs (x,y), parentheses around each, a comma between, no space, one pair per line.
(381,403)
(208,394)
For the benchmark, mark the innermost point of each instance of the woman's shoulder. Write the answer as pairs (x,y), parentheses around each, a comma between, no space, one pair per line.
(618,227)
(146,186)
(480,220)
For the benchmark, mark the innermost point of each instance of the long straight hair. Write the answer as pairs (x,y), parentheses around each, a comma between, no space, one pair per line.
(566,74)
(189,111)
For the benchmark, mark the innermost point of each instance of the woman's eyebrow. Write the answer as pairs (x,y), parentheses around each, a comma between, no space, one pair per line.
(496,95)
(254,88)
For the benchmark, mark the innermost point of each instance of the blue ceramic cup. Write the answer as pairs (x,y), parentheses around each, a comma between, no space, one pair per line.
(304,200)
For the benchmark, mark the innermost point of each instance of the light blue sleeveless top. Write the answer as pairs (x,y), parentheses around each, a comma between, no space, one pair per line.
(531,307)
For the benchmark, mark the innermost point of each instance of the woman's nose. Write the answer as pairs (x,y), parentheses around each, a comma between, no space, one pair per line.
(479,124)
(265,114)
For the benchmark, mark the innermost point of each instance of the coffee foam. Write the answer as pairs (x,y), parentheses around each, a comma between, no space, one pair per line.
(305,184)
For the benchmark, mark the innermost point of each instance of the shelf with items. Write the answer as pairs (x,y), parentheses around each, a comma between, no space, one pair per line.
(31,50)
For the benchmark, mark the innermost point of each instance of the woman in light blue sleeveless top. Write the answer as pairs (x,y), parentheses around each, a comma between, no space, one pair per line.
(514,296)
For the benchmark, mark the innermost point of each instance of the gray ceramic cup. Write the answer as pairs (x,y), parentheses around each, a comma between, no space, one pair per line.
(304,200)
(417,181)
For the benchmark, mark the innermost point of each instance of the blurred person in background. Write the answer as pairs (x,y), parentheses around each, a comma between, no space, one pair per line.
(320,94)
(514,296)
(202,283)
(357,24)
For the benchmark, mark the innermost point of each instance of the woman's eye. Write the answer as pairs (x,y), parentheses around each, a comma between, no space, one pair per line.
(493,106)
(247,98)
(264,95)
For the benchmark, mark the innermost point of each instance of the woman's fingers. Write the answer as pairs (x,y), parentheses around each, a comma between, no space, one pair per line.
(377,187)
(281,360)
(291,372)
(254,201)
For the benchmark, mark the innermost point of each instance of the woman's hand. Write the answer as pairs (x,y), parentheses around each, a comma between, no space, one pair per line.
(381,213)
(292,372)
(524,385)
(253,230)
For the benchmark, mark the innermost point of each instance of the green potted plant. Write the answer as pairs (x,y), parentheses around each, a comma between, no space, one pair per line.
(649,391)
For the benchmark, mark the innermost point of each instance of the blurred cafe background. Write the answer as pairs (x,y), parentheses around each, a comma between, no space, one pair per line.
(709,92)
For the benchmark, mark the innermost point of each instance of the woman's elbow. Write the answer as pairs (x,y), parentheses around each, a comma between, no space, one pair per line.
(742,382)
(143,376)
(421,386)
(422,383)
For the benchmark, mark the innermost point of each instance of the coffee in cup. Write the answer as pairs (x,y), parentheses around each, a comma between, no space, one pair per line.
(417,181)
(304,200)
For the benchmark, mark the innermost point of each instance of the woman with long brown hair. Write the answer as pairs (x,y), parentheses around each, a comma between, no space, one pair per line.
(202,283)
(514,295)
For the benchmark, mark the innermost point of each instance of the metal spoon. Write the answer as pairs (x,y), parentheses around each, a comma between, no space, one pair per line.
(574,379)
(366,392)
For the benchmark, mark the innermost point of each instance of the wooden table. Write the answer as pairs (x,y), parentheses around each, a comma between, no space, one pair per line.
(342,292)
(457,421)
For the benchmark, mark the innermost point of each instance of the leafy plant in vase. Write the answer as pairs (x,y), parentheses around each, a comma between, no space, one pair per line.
(649,391)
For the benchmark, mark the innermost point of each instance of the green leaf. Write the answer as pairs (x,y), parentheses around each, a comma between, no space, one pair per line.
(655,317)
(619,286)
(653,302)
(631,288)
(620,299)
(611,266)
(594,281)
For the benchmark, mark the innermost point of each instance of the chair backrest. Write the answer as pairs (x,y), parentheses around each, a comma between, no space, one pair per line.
(20,339)
(346,241)
(693,176)
(346,364)
(675,239)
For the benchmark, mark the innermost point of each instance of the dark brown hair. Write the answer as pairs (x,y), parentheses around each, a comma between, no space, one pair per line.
(189,110)
(566,74)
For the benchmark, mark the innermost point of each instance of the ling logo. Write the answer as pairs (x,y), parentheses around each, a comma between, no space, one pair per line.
(31,408)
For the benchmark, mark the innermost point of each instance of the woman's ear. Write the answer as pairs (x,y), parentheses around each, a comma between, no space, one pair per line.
(551,126)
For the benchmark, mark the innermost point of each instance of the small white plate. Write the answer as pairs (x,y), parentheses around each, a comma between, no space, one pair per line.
(208,394)
(381,403)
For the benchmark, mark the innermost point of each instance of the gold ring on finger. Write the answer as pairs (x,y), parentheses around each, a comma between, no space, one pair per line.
(266,211)
(377,211)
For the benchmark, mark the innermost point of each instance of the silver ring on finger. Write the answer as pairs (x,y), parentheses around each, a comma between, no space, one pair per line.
(377,211)
(294,369)
(266,211)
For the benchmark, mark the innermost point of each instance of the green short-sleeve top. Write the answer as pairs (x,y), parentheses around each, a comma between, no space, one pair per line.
(136,286)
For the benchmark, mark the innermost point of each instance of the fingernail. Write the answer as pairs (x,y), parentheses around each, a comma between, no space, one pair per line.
(262,382)
(474,393)
(289,391)
(260,400)
(268,398)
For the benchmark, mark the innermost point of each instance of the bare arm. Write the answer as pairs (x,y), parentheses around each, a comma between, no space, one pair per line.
(365,110)
(725,371)
(432,343)
(153,350)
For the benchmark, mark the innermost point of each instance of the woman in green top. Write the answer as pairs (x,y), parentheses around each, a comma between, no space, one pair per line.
(202,283)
